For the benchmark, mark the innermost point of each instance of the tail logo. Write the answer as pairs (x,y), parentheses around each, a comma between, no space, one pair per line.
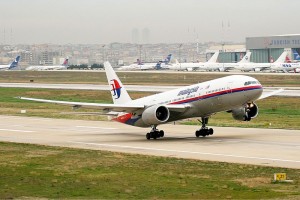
(116,88)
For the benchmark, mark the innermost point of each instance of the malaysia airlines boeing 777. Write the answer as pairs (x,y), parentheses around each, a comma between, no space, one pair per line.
(235,94)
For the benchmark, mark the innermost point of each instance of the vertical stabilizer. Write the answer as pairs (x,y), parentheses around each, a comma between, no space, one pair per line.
(15,63)
(66,62)
(246,58)
(281,58)
(168,58)
(296,55)
(118,92)
(214,58)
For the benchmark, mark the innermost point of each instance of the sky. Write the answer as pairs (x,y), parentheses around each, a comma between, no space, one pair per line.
(168,21)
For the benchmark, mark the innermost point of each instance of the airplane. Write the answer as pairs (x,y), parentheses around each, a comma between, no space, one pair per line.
(191,66)
(12,65)
(287,66)
(221,67)
(145,66)
(50,67)
(256,67)
(235,94)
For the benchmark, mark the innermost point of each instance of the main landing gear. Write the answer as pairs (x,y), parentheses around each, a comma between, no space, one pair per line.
(204,131)
(155,133)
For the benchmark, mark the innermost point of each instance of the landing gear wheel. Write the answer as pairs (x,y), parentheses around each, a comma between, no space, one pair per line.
(148,136)
(204,131)
(161,133)
(210,131)
(155,133)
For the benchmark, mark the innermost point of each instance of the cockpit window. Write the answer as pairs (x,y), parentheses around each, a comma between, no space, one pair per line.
(251,83)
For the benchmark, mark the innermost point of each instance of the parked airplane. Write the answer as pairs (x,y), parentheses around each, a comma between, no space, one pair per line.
(49,67)
(221,67)
(235,94)
(145,66)
(256,67)
(191,66)
(12,65)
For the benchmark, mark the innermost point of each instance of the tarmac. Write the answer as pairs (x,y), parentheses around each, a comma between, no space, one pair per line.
(267,147)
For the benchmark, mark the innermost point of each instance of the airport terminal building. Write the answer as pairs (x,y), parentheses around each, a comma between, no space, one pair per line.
(266,49)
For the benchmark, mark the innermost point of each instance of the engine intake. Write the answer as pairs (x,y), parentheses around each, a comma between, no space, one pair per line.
(155,115)
(245,113)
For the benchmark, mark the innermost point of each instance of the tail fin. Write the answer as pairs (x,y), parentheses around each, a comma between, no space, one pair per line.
(296,55)
(168,58)
(14,64)
(214,58)
(246,58)
(139,62)
(287,59)
(118,92)
(281,58)
(66,62)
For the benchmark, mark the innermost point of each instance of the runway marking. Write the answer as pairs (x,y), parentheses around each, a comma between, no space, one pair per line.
(13,130)
(188,152)
(95,127)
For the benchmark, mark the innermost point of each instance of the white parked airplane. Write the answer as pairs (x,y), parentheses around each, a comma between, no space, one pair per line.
(12,65)
(191,66)
(221,67)
(235,94)
(49,67)
(247,67)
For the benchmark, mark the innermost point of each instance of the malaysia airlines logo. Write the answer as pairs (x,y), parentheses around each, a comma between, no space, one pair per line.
(116,88)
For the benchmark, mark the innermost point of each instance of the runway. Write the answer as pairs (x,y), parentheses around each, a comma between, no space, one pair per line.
(289,91)
(268,147)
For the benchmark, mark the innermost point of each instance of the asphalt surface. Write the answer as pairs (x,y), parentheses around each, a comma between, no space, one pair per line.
(268,147)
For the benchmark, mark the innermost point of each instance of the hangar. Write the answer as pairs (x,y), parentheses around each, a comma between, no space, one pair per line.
(268,49)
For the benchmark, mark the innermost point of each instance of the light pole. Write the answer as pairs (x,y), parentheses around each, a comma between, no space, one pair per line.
(103,53)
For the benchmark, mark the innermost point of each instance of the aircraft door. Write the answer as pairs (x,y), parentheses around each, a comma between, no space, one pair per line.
(229,87)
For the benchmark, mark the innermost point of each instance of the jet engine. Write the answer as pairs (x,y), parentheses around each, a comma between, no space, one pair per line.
(245,113)
(221,69)
(155,115)
(257,70)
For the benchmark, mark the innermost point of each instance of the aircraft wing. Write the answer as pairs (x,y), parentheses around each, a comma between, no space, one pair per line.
(101,106)
(108,107)
(265,95)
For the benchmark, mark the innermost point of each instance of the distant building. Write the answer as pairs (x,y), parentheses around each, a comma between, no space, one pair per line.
(145,36)
(270,47)
(135,36)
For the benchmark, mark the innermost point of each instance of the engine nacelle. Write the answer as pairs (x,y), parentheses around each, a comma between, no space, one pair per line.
(257,70)
(221,69)
(155,115)
(245,113)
